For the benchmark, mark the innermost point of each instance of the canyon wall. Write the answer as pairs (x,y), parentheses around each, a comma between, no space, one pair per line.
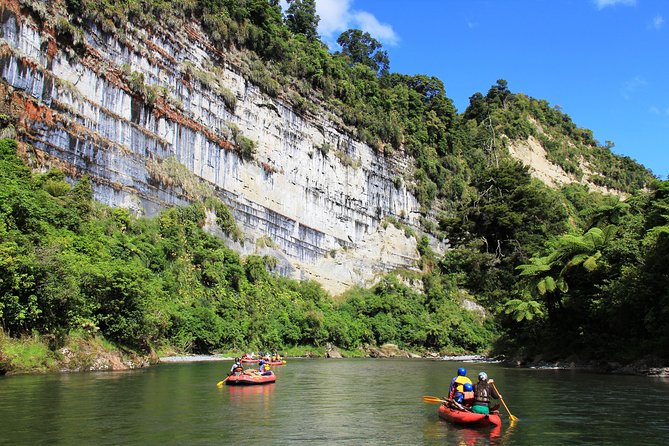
(120,107)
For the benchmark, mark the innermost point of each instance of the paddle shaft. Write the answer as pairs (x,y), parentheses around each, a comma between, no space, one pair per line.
(502,400)
(434,399)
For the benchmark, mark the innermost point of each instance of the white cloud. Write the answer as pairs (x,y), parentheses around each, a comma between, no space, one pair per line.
(655,110)
(336,16)
(601,4)
(657,22)
(630,87)
(380,31)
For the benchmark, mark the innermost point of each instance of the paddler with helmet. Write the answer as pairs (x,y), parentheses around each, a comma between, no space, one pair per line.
(483,391)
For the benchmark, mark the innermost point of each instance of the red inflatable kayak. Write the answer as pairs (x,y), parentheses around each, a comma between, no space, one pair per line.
(457,416)
(279,362)
(244,379)
(250,360)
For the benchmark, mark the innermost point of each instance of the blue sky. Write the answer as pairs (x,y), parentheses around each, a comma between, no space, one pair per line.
(605,63)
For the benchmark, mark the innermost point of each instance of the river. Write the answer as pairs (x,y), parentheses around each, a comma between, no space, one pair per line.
(326,401)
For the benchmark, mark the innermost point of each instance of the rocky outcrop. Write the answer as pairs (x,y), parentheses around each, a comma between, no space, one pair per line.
(532,154)
(92,358)
(387,351)
(117,109)
(332,352)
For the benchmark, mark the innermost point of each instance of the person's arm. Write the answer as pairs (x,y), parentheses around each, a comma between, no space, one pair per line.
(493,390)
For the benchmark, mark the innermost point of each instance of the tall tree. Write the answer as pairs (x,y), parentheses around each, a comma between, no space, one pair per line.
(360,47)
(301,18)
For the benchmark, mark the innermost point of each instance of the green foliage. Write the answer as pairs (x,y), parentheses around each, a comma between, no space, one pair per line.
(516,116)
(523,310)
(224,218)
(28,354)
(74,6)
(301,17)
(600,288)
(361,48)
(324,149)
(246,147)
(170,173)
(513,214)
(229,98)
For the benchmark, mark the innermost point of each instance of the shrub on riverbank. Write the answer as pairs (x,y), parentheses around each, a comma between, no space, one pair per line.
(80,351)
(25,355)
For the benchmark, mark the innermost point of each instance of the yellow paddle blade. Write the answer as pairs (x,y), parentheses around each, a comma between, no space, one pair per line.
(432,399)
(220,383)
(511,417)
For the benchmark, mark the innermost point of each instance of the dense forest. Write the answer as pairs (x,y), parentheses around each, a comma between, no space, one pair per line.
(560,272)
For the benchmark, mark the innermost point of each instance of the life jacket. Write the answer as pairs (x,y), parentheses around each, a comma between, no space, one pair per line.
(482,394)
(459,383)
(468,397)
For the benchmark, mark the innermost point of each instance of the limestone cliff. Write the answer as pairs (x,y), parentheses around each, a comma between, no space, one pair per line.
(118,108)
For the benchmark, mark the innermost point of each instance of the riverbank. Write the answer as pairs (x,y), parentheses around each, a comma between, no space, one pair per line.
(80,352)
(647,366)
(85,352)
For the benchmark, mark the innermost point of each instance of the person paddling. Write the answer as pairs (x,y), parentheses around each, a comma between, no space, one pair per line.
(483,391)
(237,367)
(263,368)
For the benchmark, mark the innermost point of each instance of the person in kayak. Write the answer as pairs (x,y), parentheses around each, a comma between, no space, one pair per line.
(457,385)
(237,367)
(263,369)
(467,395)
(483,391)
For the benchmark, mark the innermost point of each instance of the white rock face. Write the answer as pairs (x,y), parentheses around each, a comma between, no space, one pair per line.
(531,153)
(323,215)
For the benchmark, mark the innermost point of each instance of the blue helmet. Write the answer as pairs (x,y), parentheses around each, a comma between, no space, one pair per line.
(262,361)
(468,387)
(462,371)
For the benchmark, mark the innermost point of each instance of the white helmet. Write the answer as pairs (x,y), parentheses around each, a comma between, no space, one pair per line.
(483,376)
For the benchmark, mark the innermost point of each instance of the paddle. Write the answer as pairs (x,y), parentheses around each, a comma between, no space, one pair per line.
(511,417)
(220,383)
(434,399)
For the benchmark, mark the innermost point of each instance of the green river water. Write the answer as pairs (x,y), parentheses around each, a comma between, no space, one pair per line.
(320,401)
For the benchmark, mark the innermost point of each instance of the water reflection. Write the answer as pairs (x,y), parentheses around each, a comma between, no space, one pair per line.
(468,436)
(240,395)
